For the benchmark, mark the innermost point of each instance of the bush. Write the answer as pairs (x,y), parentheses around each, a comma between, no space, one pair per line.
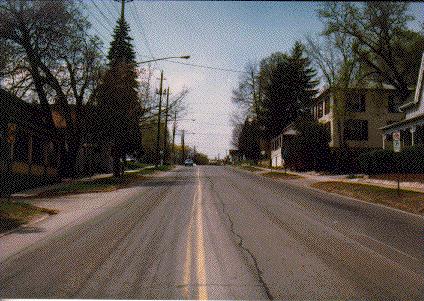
(377,162)
(409,160)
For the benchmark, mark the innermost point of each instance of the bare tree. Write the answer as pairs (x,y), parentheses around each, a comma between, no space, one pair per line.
(380,39)
(53,56)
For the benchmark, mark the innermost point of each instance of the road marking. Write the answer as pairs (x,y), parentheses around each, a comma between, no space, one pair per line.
(389,247)
(187,263)
(196,213)
(201,270)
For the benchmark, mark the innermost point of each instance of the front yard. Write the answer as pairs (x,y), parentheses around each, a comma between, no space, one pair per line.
(14,214)
(409,201)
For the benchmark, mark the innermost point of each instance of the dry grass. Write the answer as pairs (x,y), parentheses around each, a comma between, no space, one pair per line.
(402,177)
(250,168)
(409,201)
(102,185)
(14,214)
(281,175)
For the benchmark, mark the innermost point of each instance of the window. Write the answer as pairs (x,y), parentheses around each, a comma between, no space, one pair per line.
(320,109)
(327,106)
(52,155)
(356,130)
(355,102)
(21,147)
(38,153)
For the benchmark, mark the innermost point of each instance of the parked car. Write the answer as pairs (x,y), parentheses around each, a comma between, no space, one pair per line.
(188,162)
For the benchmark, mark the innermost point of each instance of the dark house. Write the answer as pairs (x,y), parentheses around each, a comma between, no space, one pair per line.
(29,149)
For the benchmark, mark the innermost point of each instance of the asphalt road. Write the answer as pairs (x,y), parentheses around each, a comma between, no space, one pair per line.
(220,233)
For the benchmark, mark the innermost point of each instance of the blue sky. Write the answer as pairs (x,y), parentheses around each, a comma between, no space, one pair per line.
(221,34)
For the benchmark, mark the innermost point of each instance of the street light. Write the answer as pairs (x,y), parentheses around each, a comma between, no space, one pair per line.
(186,57)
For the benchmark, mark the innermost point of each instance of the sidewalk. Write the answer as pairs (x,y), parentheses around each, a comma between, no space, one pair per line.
(73,209)
(35,191)
(313,177)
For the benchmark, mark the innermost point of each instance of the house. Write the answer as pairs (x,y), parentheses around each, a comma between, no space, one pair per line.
(277,143)
(353,117)
(235,156)
(412,127)
(92,157)
(29,149)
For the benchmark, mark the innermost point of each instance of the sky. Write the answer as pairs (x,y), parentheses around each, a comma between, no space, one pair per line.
(218,34)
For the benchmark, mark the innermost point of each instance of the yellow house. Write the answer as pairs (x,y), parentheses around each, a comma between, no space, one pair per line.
(354,116)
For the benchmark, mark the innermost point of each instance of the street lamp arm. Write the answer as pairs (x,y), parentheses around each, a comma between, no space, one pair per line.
(186,57)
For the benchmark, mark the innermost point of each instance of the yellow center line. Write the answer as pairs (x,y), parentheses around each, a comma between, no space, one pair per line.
(201,269)
(196,212)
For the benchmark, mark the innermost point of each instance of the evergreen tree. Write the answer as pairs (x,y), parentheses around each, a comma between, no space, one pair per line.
(288,86)
(119,107)
(121,50)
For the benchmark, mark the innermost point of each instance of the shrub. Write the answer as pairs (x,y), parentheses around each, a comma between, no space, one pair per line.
(411,159)
(377,162)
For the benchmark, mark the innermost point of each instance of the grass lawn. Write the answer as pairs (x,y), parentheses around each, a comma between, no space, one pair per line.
(407,200)
(104,184)
(13,214)
(280,175)
(250,168)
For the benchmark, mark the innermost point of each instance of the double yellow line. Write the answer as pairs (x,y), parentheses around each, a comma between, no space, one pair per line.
(196,221)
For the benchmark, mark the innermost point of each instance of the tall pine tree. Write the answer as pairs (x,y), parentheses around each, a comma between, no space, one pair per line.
(288,86)
(119,107)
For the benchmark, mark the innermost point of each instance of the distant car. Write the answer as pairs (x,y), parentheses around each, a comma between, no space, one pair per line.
(188,162)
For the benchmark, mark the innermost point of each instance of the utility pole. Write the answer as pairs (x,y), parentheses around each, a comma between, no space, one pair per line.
(182,143)
(158,130)
(165,144)
(123,7)
(173,136)
(255,102)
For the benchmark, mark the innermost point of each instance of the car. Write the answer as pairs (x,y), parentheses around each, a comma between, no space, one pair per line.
(188,162)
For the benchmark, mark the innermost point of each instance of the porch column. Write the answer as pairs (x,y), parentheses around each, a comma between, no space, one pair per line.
(384,141)
(412,130)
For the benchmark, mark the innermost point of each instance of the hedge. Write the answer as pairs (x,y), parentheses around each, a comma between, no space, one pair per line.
(409,160)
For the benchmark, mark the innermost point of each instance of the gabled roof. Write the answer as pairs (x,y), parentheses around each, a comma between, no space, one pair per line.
(15,110)
(419,90)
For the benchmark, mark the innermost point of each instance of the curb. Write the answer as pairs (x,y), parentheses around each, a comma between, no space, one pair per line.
(30,223)
(339,195)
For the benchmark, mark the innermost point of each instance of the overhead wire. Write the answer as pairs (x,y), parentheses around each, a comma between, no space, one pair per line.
(110,23)
(139,25)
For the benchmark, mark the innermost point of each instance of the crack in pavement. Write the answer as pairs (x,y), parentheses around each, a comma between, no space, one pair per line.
(259,272)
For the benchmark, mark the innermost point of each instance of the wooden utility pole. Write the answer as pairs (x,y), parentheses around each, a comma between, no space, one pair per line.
(165,143)
(123,7)
(159,119)
(173,136)
(182,143)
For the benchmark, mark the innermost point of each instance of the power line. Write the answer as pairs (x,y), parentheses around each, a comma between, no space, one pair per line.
(139,24)
(110,23)
(204,66)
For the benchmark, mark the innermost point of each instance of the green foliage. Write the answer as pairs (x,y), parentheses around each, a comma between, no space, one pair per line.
(288,85)
(309,149)
(134,165)
(248,141)
(201,159)
(121,50)
(409,160)
(378,162)
(119,109)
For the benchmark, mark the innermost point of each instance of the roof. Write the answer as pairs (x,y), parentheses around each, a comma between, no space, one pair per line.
(419,89)
(370,86)
(407,121)
(17,110)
